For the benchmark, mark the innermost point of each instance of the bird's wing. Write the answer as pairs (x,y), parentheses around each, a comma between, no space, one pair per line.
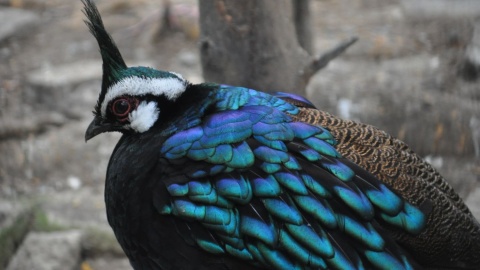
(256,185)
(452,235)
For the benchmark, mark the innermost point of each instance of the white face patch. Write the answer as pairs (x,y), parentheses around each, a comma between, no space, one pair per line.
(171,88)
(143,118)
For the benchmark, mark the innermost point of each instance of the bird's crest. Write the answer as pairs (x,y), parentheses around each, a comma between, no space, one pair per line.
(113,63)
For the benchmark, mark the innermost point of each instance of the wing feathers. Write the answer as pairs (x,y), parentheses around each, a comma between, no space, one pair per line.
(277,192)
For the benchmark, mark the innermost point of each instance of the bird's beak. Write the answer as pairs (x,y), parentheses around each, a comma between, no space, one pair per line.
(97,126)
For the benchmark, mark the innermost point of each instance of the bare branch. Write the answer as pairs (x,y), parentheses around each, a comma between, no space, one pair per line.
(321,61)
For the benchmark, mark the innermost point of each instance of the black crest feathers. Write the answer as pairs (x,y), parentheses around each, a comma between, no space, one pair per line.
(112,59)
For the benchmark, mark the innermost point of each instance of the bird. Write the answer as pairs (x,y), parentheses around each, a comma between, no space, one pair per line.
(214,176)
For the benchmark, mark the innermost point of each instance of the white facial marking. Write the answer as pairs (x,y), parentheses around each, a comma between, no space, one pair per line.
(178,75)
(143,118)
(171,88)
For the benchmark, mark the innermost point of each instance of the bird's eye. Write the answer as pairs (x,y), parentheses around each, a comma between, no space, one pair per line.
(121,107)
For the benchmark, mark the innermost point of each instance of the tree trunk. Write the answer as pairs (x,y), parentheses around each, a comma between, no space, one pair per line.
(251,43)
(303,24)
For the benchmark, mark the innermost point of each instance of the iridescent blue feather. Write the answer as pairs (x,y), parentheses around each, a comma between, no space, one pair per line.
(276,192)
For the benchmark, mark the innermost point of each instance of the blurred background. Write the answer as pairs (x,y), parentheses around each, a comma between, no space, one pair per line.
(415,72)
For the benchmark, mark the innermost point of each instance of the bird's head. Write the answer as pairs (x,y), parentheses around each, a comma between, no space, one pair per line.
(129,98)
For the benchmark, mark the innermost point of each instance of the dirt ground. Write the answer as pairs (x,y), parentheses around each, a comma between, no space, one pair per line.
(408,74)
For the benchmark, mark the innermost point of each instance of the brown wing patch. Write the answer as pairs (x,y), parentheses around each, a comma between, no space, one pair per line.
(452,231)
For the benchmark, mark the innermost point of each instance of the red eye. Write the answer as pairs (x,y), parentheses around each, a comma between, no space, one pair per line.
(122,106)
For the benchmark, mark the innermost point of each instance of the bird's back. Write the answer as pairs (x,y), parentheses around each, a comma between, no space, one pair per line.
(452,233)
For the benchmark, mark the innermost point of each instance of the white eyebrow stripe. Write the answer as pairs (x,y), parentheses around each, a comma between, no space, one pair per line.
(170,87)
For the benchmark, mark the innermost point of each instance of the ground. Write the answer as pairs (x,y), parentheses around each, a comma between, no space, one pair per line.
(412,73)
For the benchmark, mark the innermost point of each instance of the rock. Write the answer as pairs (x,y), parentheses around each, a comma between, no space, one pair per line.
(471,65)
(475,127)
(107,263)
(81,208)
(52,86)
(15,219)
(71,74)
(462,173)
(9,212)
(473,50)
(97,242)
(48,251)
(12,128)
(441,8)
(66,75)
(188,58)
(15,20)
(405,104)
(74,182)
